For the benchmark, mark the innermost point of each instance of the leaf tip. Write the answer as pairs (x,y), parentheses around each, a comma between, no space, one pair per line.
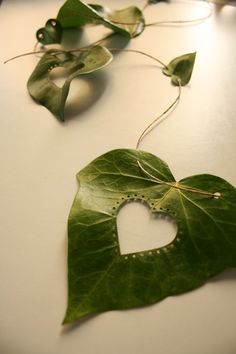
(61,117)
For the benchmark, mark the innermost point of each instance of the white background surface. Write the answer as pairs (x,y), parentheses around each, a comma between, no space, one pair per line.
(40,157)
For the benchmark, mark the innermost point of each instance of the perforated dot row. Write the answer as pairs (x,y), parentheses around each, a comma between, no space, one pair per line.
(142,254)
(141,198)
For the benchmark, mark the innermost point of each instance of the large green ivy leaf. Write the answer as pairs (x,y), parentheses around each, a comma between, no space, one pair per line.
(128,22)
(102,279)
(180,69)
(47,93)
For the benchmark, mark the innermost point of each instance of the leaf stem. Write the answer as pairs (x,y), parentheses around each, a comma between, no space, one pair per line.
(138,52)
(29,53)
(182,22)
(215,195)
(147,130)
(60,51)
(157,120)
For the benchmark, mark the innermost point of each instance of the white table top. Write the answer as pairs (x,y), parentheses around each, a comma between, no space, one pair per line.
(40,157)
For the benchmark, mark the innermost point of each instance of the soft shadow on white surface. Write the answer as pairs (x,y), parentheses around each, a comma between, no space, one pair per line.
(39,159)
(226,276)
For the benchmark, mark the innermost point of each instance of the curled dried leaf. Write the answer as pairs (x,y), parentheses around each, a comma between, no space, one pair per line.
(128,22)
(44,90)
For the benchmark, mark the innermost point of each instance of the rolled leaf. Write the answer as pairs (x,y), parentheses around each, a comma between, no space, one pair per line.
(47,93)
(128,22)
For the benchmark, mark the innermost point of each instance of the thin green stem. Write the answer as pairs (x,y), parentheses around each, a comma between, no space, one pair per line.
(26,54)
(185,22)
(157,120)
(178,22)
(146,131)
(139,52)
(176,185)
(60,51)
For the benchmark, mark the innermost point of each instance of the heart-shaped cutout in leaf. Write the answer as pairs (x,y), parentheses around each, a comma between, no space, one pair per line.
(128,22)
(45,92)
(51,33)
(100,278)
(180,69)
(139,229)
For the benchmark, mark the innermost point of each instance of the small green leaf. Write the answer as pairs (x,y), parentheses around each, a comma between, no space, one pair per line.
(128,22)
(100,278)
(51,33)
(180,69)
(75,13)
(43,89)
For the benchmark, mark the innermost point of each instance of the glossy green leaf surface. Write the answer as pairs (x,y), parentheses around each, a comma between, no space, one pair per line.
(180,69)
(100,278)
(128,22)
(51,33)
(47,93)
